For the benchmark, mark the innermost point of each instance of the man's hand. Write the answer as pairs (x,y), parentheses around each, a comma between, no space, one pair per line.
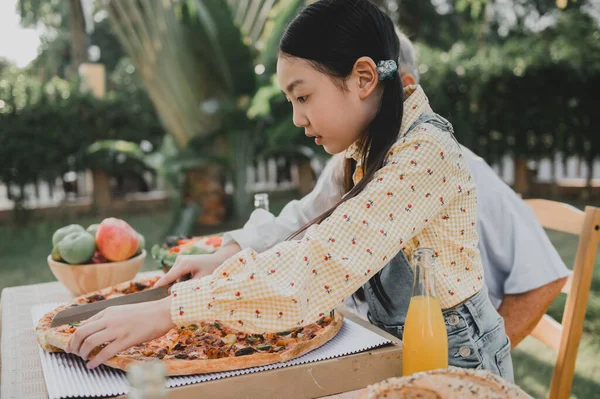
(121,327)
(197,265)
(522,312)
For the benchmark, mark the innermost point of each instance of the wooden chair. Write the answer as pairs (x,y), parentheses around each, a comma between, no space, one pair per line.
(564,337)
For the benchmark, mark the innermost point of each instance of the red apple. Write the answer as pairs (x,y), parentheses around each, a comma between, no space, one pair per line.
(116,239)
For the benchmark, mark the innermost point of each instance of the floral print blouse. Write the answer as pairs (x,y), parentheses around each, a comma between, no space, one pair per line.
(423,196)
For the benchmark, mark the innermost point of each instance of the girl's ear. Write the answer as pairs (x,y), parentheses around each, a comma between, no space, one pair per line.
(408,79)
(364,76)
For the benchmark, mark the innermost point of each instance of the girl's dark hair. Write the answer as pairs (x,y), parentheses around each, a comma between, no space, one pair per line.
(332,35)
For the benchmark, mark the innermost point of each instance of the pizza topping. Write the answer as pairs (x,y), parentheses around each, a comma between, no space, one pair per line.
(311,330)
(216,353)
(140,286)
(211,340)
(136,286)
(295,332)
(252,339)
(272,338)
(161,353)
(181,356)
(284,333)
(286,341)
(264,347)
(95,298)
(218,325)
(148,352)
(179,347)
(245,351)
(229,339)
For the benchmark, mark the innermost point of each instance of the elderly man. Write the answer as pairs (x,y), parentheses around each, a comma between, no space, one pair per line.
(523,271)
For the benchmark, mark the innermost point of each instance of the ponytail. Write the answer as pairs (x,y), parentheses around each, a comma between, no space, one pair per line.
(353,28)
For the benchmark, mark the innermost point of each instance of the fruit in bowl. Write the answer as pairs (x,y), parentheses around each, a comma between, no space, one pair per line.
(116,239)
(102,255)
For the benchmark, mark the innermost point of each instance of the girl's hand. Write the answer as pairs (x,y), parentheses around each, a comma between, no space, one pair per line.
(197,265)
(121,327)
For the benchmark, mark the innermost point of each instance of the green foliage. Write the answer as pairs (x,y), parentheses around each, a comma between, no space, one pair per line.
(111,51)
(116,156)
(218,41)
(500,98)
(280,16)
(531,104)
(46,130)
(50,13)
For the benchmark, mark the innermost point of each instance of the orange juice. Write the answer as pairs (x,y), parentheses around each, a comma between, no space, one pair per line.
(425,338)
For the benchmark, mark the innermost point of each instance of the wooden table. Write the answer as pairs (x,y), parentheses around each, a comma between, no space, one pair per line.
(22,376)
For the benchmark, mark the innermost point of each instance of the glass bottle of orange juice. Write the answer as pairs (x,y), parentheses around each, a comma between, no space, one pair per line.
(425,343)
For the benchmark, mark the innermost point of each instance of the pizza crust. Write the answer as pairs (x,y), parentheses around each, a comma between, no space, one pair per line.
(52,340)
(43,326)
(451,383)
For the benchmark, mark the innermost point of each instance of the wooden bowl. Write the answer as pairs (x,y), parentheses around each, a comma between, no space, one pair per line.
(81,279)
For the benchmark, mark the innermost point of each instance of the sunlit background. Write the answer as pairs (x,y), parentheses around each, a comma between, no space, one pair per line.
(169,116)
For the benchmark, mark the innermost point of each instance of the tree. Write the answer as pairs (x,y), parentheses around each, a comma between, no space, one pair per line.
(55,16)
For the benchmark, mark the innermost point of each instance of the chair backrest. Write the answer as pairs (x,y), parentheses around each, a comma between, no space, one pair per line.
(564,337)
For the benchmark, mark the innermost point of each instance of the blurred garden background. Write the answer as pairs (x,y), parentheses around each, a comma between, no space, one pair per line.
(167,114)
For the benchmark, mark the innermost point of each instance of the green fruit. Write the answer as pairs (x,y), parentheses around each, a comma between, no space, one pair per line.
(64,231)
(56,254)
(141,244)
(93,229)
(77,248)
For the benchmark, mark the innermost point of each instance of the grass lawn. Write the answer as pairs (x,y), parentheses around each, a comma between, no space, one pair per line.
(23,253)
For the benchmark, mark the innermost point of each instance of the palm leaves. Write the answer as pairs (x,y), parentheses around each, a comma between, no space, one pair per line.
(159,44)
(251,16)
(196,59)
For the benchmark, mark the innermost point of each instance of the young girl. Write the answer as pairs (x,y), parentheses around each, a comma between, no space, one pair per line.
(407,186)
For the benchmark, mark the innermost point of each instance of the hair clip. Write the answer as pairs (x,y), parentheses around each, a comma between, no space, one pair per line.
(387,69)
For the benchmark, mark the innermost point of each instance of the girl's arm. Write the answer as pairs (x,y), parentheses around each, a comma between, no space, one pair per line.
(296,282)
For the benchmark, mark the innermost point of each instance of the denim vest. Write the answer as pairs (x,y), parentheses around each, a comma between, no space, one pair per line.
(476,335)
(397,276)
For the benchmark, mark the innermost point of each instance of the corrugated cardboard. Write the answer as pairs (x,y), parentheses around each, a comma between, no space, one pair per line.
(305,381)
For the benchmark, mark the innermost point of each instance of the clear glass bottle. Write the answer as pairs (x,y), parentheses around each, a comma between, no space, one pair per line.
(147,380)
(261,201)
(425,341)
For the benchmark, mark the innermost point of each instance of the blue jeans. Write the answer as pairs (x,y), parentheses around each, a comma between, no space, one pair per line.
(476,337)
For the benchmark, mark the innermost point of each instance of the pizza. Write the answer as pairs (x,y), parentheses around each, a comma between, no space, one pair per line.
(206,347)
(451,383)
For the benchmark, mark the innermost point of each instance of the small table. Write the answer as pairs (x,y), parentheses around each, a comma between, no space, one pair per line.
(22,376)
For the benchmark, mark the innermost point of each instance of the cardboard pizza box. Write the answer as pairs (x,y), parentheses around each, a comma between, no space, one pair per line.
(312,380)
